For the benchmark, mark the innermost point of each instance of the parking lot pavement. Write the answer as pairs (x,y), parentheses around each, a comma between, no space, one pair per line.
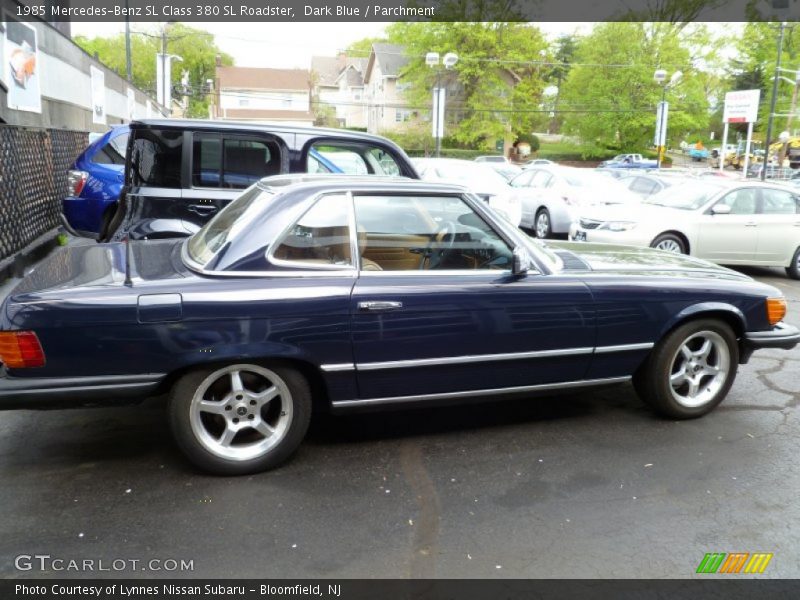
(579,485)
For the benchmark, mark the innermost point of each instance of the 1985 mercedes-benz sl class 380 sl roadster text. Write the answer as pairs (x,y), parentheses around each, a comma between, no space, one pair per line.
(348,293)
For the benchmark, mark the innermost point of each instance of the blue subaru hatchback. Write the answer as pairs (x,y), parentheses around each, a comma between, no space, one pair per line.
(95,182)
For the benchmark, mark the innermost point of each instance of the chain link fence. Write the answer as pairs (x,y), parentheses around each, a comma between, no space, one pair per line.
(33,180)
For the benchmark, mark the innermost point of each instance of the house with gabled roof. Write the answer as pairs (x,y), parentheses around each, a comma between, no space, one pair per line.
(338,82)
(261,94)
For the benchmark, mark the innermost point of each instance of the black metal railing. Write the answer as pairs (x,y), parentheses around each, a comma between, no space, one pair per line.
(33,181)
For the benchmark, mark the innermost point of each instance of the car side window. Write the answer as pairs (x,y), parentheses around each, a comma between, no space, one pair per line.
(641,185)
(232,162)
(156,158)
(421,233)
(320,238)
(778,202)
(522,180)
(352,158)
(741,201)
(541,179)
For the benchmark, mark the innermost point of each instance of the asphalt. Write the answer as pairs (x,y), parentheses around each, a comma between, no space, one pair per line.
(581,485)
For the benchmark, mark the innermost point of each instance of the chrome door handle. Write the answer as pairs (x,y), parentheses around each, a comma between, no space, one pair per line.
(379,305)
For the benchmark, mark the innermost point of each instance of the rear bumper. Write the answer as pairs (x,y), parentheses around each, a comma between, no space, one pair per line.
(781,336)
(63,392)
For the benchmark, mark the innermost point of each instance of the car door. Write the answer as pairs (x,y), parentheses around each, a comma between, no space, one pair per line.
(729,238)
(435,309)
(778,227)
(222,165)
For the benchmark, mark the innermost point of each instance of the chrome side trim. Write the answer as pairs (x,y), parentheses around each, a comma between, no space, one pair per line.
(475,393)
(623,348)
(335,368)
(456,360)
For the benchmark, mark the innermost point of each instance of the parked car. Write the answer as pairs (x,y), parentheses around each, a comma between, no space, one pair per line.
(181,172)
(536,162)
(344,293)
(482,179)
(698,154)
(629,161)
(645,185)
(494,159)
(551,196)
(727,222)
(95,182)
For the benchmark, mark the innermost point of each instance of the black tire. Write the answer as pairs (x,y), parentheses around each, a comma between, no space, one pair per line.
(670,240)
(793,270)
(653,380)
(206,451)
(542,218)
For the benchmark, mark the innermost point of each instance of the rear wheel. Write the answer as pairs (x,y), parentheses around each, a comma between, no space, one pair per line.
(793,270)
(690,371)
(669,242)
(241,418)
(542,226)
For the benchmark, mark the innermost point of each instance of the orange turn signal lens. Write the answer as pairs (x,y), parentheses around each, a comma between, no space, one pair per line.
(776,310)
(20,350)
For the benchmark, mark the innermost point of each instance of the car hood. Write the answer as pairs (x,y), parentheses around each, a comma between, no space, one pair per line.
(610,258)
(102,266)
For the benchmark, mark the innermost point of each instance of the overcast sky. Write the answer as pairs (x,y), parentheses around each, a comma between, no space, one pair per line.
(285,45)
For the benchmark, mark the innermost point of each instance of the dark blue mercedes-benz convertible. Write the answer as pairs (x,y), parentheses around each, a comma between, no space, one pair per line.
(358,293)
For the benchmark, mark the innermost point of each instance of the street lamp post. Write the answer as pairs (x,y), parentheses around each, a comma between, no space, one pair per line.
(660,77)
(449,61)
(772,102)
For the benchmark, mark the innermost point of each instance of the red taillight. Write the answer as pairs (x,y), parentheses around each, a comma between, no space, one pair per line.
(20,350)
(75,182)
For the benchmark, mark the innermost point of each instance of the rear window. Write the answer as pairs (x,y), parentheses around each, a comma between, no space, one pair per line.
(113,153)
(156,158)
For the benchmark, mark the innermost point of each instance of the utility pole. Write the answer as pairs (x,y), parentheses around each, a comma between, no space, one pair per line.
(128,64)
(772,102)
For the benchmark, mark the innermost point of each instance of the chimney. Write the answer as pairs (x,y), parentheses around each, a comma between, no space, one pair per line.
(219,60)
(341,60)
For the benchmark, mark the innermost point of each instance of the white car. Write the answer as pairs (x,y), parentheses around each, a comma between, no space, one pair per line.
(481,179)
(551,196)
(726,222)
(495,158)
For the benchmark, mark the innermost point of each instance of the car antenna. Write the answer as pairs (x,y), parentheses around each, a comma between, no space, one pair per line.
(128,280)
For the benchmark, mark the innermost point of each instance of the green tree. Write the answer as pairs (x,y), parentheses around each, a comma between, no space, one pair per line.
(754,65)
(499,74)
(610,98)
(195,46)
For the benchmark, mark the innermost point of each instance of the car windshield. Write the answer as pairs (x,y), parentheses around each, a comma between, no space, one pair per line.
(204,244)
(687,196)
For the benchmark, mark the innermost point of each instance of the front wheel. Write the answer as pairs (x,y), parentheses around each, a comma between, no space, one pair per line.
(669,242)
(240,418)
(542,227)
(793,270)
(690,371)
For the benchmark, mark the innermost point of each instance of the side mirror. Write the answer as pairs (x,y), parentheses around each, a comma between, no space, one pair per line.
(520,263)
(720,209)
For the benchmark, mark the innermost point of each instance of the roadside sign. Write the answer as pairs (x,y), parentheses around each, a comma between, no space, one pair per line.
(662,115)
(741,106)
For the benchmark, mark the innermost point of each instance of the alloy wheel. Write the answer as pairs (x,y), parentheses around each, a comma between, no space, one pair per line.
(542,225)
(241,412)
(699,369)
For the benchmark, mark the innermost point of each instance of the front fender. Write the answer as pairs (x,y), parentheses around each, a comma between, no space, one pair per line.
(702,308)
